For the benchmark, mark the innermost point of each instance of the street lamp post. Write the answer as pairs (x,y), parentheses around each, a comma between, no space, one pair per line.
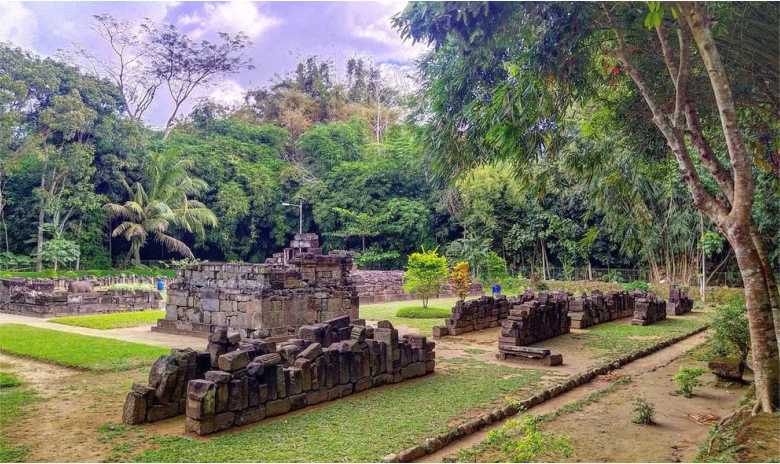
(300,214)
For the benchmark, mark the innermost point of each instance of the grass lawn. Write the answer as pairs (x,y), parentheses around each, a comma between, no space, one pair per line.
(618,338)
(386,311)
(74,350)
(112,320)
(13,398)
(356,428)
(418,312)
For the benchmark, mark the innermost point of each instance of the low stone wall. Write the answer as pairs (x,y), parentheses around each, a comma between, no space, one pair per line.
(648,310)
(598,308)
(45,298)
(679,302)
(381,286)
(540,318)
(239,381)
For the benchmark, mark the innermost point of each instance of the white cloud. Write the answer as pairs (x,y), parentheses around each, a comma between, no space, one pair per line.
(228,92)
(381,30)
(18,25)
(236,16)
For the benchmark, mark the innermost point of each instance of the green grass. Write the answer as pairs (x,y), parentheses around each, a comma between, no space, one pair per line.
(13,399)
(112,320)
(386,311)
(133,287)
(418,312)
(137,271)
(357,428)
(618,338)
(75,350)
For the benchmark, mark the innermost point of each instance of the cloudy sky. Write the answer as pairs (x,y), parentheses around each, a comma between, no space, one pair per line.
(282,34)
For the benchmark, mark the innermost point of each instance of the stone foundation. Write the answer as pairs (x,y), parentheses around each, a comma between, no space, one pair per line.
(296,287)
(679,302)
(239,381)
(48,298)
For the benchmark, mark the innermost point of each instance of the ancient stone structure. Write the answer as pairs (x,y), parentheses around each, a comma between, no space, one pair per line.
(648,310)
(381,286)
(47,297)
(679,302)
(537,319)
(296,287)
(238,381)
(597,308)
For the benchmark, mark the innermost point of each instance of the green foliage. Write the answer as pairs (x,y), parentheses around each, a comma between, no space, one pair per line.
(643,411)
(413,411)
(113,320)
(418,312)
(687,378)
(711,243)
(613,275)
(425,274)
(13,261)
(731,334)
(531,443)
(636,285)
(60,251)
(74,350)
(374,258)
(143,271)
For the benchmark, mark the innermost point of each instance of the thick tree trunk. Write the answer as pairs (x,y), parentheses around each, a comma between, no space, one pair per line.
(769,278)
(763,339)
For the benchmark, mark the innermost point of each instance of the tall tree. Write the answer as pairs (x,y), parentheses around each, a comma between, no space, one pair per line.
(518,111)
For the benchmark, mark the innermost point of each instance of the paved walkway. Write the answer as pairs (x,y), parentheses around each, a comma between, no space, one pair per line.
(139,334)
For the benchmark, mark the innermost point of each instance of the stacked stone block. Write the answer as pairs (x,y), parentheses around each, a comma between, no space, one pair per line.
(327,361)
(648,310)
(543,317)
(679,302)
(296,287)
(46,298)
(597,308)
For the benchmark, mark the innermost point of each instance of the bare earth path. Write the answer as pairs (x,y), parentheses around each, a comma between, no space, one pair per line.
(139,334)
(603,432)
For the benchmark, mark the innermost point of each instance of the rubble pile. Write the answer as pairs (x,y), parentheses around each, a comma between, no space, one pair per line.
(648,310)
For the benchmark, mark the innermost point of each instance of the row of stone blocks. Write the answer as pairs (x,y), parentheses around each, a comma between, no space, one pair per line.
(679,302)
(238,381)
(648,310)
(598,308)
(543,317)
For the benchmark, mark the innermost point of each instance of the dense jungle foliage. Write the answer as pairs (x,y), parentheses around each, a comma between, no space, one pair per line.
(84,185)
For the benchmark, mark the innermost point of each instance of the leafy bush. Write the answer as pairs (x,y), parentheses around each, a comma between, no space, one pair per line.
(494,268)
(376,259)
(418,312)
(637,285)
(613,275)
(10,260)
(687,378)
(425,274)
(731,336)
(460,278)
(532,444)
(644,411)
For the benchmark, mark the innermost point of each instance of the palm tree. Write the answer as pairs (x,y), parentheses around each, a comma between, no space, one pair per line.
(161,202)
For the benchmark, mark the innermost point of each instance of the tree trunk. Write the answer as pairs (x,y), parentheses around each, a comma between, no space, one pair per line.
(39,245)
(769,278)
(136,250)
(763,339)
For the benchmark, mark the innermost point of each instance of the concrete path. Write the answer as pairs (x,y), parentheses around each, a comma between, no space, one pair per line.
(139,334)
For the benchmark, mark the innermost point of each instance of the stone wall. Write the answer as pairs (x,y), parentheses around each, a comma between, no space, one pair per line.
(545,316)
(47,298)
(679,302)
(296,287)
(381,286)
(648,310)
(598,308)
(239,381)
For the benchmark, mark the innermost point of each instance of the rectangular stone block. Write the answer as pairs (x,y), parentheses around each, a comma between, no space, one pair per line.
(277,407)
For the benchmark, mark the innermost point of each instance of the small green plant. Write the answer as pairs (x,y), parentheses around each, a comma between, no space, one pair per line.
(644,411)
(532,444)
(9,380)
(687,378)
(637,285)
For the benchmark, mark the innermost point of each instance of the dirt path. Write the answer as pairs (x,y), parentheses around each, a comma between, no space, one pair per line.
(650,374)
(139,334)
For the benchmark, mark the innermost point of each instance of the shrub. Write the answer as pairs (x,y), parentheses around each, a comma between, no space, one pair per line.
(494,268)
(418,312)
(637,285)
(460,278)
(533,444)
(425,274)
(644,411)
(687,378)
(731,335)
(613,276)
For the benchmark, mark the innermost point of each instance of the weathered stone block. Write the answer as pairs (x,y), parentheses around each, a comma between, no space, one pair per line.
(277,407)
(233,361)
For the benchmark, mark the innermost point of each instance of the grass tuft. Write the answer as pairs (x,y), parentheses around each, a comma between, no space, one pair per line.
(112,320)
(418,312)
(75,350)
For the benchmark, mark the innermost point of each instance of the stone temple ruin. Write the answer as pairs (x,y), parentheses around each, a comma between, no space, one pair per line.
(62,297)
(295,287)
(238,381)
